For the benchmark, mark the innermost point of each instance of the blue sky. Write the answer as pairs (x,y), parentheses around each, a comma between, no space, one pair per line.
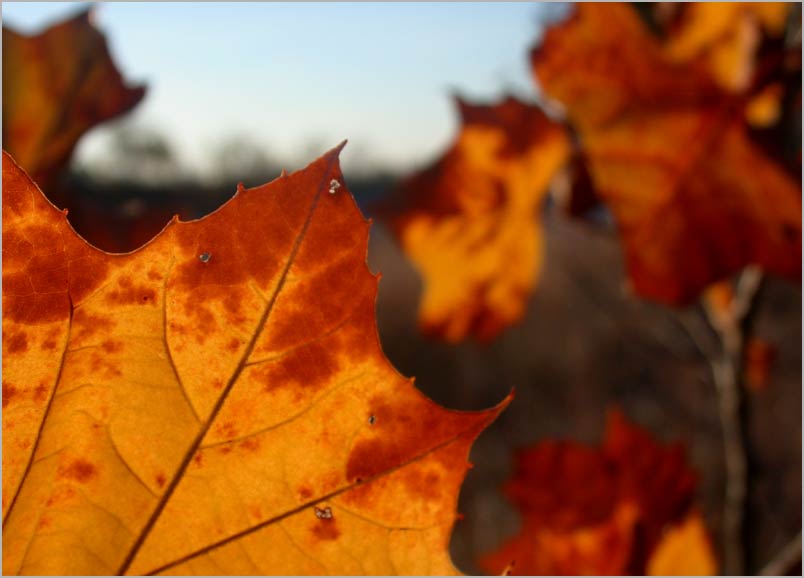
(297,78)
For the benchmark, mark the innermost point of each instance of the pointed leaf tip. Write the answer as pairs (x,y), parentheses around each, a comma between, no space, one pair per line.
(336,150)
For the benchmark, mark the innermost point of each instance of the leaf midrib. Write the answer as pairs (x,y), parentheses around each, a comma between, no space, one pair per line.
(178,475)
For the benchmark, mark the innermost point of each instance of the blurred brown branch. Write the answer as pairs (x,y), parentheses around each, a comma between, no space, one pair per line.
(785,560)
(727,371)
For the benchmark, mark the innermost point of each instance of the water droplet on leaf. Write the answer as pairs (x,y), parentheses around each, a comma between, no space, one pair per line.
(323,513)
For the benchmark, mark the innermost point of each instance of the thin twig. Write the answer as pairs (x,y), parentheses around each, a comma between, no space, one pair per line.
(747,287)
(730,401)
(785,560)
(726,370)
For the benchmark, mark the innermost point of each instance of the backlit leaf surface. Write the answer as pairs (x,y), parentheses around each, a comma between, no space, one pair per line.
(601,511)
(216,401)
(685,550)
(470,222)
(56,86)
(668,152)
(725,36)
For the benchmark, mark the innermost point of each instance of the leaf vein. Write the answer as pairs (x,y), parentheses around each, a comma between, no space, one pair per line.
(45,415)
(279,518)
(196,443)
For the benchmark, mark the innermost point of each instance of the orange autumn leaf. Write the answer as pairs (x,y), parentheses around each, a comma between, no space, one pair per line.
(695,201)
(600,549)
(685,550)
(597,511)
(765,109)
(56,86)
(731,39)
(725,37)
(216,402)
(470,221)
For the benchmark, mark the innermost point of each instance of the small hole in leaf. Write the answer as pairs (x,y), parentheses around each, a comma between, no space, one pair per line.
(334,185)
(372,420)
(204,257)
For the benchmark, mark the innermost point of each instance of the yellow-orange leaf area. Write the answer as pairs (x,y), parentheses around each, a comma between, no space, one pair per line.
(56,86)
(724,36)
(625,508)
(669,153)
(470,222)
(216,402)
